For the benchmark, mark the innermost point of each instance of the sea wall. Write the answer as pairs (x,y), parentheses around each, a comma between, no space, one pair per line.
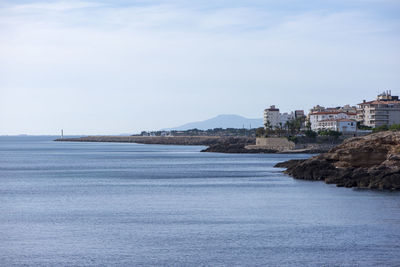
(273,143)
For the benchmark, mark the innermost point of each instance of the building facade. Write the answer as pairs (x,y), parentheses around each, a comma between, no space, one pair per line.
(285,117)
(277,119)
(340,125)
(272,116)
(327,119)
(385,110)
(299,114)
(345,108)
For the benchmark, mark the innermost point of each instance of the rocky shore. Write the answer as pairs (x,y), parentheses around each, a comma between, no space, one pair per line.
(229,146)
(371,161)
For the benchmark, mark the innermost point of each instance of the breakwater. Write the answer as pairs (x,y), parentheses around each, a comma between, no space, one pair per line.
(221,144)
(166,140)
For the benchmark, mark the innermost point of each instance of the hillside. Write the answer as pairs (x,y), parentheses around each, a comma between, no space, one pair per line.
(221,121)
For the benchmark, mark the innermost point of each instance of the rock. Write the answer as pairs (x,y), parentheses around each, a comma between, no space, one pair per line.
(371,161)
(289,164)
(234,146)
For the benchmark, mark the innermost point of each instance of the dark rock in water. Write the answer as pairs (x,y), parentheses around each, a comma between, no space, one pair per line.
(371,161)
(289,164)
(235,147)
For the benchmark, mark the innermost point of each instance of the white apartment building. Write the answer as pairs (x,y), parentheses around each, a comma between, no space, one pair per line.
(284,117)
(277,119)
(345,108)
(272,116)
(385,110)
(340,125)
(329,116)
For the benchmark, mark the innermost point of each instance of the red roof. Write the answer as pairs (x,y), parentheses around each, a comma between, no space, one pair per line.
(338,120)
(332,112)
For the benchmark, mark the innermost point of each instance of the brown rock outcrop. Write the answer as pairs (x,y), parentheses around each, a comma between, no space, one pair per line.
(371,161)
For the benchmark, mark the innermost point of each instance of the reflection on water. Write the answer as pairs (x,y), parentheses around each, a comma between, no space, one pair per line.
(129,204)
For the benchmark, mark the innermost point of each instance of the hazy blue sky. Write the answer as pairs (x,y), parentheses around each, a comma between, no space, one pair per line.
(103,67)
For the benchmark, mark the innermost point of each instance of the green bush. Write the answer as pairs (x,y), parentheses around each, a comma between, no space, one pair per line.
(395,127)
(335,134)
(260,132)
(363,127)
(380,129)
(310,133)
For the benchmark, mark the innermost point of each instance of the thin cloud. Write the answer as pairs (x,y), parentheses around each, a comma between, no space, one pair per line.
(145,63)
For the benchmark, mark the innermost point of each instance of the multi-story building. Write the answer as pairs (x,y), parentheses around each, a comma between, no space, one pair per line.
(299,114)
(348,109)
(272,116)
(326,119)
(277,119)
(340,125)
(284,117)
(345,108)
(385,110)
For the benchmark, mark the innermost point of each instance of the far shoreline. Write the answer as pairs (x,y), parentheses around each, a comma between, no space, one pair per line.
(215,144)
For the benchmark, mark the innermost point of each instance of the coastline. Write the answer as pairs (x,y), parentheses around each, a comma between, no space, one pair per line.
(371,162)
(215,144)
(164,140)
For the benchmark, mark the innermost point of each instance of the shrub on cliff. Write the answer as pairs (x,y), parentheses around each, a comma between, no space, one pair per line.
(294,139)
(380,129)
(310,133)
(332,133)
(395,127)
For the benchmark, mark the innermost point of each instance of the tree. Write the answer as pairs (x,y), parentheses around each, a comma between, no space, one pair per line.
(287,123)
(260,132)
(294,125)
(310,133)
(308,125)
(280,128)
(268,127)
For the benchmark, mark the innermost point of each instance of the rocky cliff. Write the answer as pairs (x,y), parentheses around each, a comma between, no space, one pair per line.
(371,161)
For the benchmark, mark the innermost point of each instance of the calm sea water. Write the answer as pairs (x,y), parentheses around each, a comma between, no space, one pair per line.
(89,204)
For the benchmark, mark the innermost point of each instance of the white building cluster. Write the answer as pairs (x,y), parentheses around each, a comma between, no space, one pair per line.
(385,110)
(332,120)
(275,119)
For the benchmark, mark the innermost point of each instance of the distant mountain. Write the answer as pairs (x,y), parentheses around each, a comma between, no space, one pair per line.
(221,121)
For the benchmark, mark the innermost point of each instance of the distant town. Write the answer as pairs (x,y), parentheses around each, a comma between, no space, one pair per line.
(380,114)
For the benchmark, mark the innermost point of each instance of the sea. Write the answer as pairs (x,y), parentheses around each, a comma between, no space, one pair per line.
(125,204)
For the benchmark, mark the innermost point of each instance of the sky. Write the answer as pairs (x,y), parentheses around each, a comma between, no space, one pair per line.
(112,67)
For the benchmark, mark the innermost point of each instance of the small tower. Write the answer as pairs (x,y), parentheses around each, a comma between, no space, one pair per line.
(62,133)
